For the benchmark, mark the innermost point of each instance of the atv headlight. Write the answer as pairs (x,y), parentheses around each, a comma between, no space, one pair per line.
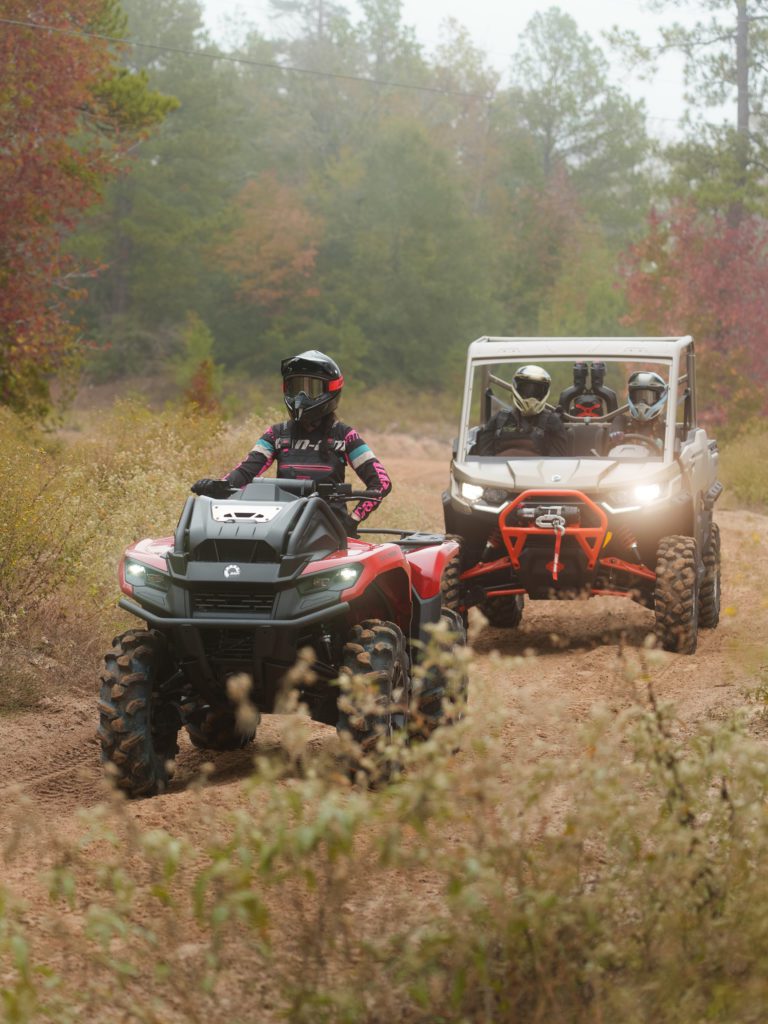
(140,575)
(339,579)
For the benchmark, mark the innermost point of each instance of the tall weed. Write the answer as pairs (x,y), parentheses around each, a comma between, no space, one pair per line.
(622,884)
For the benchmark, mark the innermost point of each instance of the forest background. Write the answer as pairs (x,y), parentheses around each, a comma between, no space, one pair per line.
(181,217)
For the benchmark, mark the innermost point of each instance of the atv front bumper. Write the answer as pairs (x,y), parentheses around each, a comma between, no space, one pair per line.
(235,622)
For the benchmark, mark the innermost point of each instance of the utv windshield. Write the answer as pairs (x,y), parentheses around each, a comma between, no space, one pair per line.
(550,408)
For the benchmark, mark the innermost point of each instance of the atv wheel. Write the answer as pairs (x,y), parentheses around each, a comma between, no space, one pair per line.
(450,582)
(676,598)
(503,612)
(216,728)
(440,684)
(709,596)
(375,652)
(137,728)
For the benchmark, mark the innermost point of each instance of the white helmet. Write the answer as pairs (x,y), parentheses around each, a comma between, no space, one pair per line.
(530,389)
(646,395)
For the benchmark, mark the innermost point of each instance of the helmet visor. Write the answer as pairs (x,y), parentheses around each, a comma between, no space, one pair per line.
(532,388)
(312,387)
(646,396)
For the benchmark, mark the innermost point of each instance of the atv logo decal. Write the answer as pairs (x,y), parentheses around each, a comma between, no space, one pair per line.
(244,512)
(232,570)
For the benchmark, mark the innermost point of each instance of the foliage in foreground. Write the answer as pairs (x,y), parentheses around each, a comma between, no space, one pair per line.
(621,882)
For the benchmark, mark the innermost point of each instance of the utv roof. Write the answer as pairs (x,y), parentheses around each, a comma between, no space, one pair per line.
(566,348)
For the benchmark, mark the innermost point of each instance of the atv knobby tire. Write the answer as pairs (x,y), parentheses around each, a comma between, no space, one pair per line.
(504,612)
(216,728)
(450,582)
(138,731)
(709,595)
(376,654)
(441,694)
(676,598)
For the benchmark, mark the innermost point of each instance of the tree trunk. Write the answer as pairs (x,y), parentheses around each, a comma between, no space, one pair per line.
(736,208)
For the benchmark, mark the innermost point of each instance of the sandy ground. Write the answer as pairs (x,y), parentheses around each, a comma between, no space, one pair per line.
(50,757)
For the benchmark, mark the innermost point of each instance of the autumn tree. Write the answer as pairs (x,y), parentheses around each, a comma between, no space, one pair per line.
(271,248)
(68,112)
(701,274)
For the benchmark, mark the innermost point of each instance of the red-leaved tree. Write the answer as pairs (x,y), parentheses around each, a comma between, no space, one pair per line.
(697,274)
(67,112)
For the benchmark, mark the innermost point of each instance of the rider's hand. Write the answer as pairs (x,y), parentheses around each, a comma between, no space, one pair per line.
(211,488)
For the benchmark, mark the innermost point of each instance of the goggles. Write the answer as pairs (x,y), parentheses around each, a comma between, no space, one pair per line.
(532,388)
(647,396)
(312,387)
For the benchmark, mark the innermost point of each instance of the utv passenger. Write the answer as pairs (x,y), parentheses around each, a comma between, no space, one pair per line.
(529,428)
(312,444)
(647,394)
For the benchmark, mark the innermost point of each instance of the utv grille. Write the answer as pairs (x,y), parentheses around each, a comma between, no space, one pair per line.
(232,600)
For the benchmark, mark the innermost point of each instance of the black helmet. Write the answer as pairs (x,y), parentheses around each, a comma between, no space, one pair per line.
(647,395)
(312,384)
(530,389)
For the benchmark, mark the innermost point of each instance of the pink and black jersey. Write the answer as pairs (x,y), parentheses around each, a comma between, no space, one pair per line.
(322,454)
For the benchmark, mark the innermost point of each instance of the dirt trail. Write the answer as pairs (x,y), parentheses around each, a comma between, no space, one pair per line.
(51,756)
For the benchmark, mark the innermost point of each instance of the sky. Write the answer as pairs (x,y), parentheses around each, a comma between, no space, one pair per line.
(495,27)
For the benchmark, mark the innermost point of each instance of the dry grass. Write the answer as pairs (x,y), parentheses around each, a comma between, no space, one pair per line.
(624,883)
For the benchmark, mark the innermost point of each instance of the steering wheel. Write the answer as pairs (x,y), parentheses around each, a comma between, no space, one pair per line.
(649,442)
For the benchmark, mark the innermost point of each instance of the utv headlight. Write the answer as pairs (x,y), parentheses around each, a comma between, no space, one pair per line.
(472,492)
(493,497)
(140,575)
(646,493)
(634,497)
(338,579)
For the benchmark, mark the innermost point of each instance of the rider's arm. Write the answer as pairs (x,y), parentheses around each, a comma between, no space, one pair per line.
(371,472)
(256,462)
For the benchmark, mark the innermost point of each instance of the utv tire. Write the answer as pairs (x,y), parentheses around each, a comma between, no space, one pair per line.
(215,728)
(137,730)
(376,652)
(709,596)
(503,612)
(676,598)
(440,686)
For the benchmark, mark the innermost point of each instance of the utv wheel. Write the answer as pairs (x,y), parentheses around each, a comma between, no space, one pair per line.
(137,728)
(376,653)
(709,596)
(504,612)
(676,598)
(443,684)
(216,728)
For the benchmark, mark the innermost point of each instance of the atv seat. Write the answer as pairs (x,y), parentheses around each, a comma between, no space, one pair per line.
(587,438)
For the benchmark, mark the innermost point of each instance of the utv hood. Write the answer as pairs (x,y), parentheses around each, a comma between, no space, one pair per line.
(593,475)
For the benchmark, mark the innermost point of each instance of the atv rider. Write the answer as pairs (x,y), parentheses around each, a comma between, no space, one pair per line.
(529,428)
(647,394)
(313,444)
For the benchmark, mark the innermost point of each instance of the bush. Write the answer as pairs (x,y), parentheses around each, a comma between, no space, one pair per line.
(621,884)
(744,469)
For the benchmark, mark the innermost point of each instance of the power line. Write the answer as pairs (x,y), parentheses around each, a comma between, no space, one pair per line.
(232,58)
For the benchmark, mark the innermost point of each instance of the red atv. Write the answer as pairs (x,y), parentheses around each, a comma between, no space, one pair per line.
(242,586)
